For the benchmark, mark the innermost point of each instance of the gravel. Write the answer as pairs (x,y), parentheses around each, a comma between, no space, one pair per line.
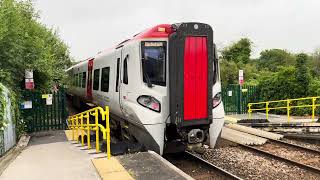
(251,165)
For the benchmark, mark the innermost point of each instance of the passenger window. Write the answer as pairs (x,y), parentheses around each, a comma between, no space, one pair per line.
(84,76)
(105,79)
(74,80)
(96,74)
(125,70)
(117,77)
(79,79)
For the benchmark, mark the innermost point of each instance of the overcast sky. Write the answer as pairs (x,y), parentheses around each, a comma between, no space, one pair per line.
(89,26)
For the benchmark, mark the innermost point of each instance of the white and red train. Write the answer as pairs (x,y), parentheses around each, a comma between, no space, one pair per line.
(162,86)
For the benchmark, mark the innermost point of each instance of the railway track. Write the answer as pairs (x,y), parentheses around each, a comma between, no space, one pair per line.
(304,158)
(198,168)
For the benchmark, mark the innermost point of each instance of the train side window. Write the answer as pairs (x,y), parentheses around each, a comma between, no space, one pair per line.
(117,77)
(79,79)
(96,74)
(74,80)
(105,79)
(125,70)
(84,76)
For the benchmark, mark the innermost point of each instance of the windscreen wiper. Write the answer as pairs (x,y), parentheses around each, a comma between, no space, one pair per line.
(147,79)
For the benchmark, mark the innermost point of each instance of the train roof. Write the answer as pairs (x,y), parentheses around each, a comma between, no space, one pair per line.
(158,31)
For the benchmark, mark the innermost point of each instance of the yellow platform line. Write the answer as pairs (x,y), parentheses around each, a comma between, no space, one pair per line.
(230,119)
(111,169)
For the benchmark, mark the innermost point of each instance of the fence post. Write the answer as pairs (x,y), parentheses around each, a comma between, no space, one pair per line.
(97,129)
(82,130)
(313,107)
(77,129)
(288,110)
(249,110)
(108,131)
(72,123)
(267,110)
(88,130)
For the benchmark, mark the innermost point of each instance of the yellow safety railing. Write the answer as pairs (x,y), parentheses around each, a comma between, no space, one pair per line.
(76,123)
(284,104)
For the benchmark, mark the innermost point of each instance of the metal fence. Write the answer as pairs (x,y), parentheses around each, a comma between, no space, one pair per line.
(43,116)
(236,98)
(8,132)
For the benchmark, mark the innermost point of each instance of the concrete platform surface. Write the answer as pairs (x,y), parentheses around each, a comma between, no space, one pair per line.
(149,165)
(233,118)
(50,156)
(138,166)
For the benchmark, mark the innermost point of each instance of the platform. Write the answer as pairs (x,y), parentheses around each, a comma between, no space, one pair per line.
(234,118)
(140,166)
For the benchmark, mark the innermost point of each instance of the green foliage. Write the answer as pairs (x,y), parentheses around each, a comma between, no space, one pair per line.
(314,87)
(279,85)
(229,72)
(314,63)
(2,108)
(25,43)
(303,76)
(238,52)
(272,59)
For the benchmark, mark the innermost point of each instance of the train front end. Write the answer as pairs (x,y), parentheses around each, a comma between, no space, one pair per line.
(194,88)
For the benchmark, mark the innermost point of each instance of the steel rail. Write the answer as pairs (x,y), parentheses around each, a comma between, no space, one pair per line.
(300,165)
(296,146)
(220,170)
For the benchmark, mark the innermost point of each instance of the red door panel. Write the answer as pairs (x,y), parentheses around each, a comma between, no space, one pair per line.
(89,82)
(195,78)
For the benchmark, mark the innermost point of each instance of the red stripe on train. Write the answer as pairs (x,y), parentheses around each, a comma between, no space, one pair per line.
(195,78)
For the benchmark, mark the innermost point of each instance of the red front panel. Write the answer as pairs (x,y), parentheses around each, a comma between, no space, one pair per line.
(89,82)
(195,78)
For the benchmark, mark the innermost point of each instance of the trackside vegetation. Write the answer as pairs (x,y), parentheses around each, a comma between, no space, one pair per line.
(25,43)
(277,73)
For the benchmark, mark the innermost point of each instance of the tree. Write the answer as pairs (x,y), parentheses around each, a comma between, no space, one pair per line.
(279,85)
(238,52)
(272,59)
(27,44)
(315,63)
(303,76)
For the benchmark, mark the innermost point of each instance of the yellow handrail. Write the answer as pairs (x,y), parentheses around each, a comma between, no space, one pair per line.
(266,106)
(75,126)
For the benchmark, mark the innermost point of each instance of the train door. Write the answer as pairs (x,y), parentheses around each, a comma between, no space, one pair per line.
(124,85)
(117,83)
(89,81)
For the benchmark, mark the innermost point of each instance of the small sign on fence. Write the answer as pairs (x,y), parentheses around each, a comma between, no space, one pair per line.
(26,105)
(48,98)
(241,79)
(29,74)
(29,84)
(230,93)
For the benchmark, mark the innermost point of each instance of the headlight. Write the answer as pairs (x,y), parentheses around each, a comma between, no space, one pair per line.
(149,102)
(216,100)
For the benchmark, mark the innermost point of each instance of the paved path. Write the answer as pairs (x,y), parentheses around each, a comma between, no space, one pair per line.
(51,157)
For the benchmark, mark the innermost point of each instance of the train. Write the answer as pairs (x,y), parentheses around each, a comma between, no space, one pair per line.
(162,87)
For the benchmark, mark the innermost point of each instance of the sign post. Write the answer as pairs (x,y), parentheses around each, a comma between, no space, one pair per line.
(29,82)
(241,81)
